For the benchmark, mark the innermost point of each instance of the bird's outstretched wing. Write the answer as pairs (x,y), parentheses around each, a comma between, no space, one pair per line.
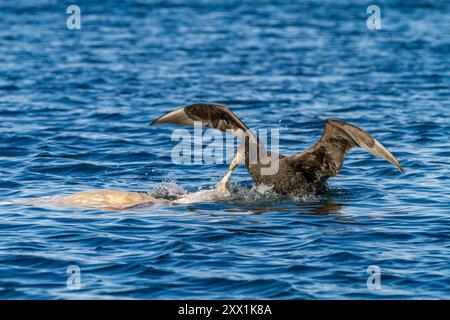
(210,116)
(326,157)
(217,117)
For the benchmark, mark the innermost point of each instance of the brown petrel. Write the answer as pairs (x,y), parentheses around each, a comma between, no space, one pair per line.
(305,172)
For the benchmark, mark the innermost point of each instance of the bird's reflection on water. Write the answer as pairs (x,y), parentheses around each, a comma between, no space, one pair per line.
(325,204)
(320,208)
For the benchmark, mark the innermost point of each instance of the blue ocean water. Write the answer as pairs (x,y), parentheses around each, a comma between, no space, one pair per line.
(74,112)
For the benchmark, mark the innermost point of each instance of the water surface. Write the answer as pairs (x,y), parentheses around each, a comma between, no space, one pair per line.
(74,112)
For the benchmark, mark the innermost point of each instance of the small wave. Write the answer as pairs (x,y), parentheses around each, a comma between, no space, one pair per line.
(169,190)
(5,203)
(263,195)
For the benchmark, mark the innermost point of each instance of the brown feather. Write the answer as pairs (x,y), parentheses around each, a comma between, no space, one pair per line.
(337,139)
(210,116)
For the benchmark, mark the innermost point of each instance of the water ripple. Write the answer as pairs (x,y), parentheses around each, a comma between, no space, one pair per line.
(74,114)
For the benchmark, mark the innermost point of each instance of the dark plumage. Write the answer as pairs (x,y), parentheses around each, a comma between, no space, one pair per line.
(306,172)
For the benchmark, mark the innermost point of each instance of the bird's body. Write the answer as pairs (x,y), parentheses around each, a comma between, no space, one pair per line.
(290,179)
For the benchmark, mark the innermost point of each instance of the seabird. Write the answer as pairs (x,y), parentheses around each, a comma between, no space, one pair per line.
(305,172)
